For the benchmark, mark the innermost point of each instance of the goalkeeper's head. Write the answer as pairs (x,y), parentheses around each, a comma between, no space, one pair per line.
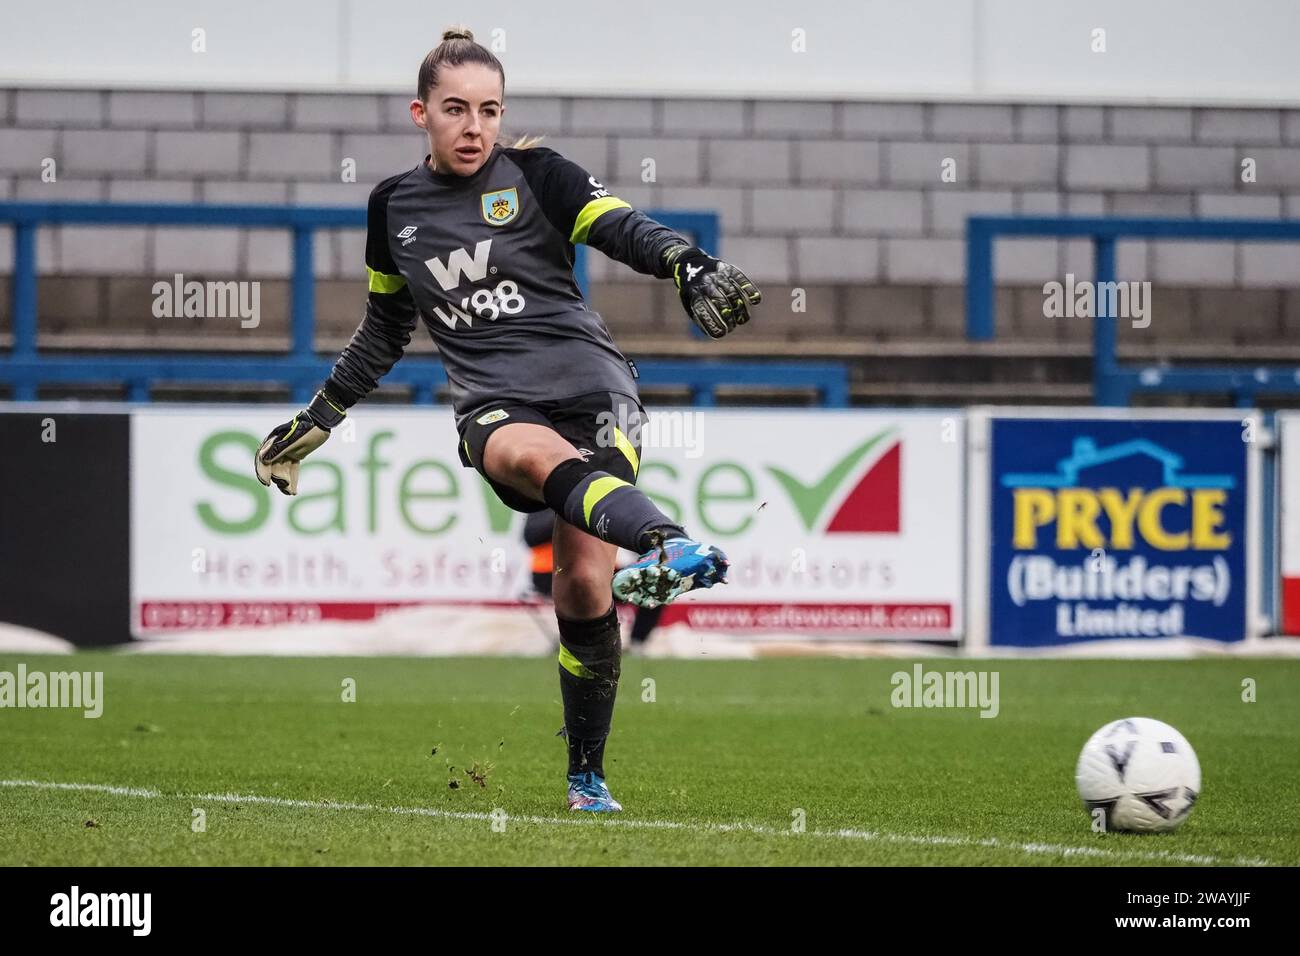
(459,102)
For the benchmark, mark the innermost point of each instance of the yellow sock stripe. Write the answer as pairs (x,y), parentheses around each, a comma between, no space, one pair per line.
(380,282)
(595,491)
(573,665)
(590,213)
(622,443)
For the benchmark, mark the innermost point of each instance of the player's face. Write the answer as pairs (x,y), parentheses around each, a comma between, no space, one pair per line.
(462,117)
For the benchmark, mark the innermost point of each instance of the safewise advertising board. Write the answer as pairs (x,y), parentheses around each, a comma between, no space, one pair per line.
(836,523)
(1288,495)
(1135,525)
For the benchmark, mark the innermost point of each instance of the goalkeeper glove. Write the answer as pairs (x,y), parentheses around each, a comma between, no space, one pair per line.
(281,452)
(715,294)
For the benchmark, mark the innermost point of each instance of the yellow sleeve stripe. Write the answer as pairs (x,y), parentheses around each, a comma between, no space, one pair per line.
(591,212)
(379,282)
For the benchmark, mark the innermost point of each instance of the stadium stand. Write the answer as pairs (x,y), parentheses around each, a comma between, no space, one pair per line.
(838,199)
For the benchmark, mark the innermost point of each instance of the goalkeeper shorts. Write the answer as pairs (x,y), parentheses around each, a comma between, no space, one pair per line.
(605,428)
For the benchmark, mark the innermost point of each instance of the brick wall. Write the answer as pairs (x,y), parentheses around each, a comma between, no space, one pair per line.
(841,199)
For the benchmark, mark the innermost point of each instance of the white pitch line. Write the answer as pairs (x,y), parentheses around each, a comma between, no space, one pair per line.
(1049,849)
(98,787)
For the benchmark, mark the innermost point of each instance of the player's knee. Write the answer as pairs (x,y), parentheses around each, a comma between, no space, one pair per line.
(582,590)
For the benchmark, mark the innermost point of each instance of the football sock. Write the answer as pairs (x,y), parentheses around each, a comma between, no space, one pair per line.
(605,506)
(590,655)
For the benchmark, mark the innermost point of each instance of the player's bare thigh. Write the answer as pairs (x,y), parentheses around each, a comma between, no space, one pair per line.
(522,454)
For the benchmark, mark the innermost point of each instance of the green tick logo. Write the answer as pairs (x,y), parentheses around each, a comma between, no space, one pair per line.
(871,506)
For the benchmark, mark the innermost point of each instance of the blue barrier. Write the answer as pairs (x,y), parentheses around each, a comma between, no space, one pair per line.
(1113,383)
(302,368)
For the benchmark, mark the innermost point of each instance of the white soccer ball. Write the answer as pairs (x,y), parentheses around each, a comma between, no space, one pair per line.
(1142,773)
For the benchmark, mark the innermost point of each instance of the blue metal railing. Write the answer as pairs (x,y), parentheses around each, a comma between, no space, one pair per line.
(302,368)
(1113,383)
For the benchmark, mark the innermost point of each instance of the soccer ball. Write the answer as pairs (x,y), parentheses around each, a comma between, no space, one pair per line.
(1142,773)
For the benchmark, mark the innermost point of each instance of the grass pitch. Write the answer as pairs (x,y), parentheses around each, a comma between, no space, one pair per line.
(455,761)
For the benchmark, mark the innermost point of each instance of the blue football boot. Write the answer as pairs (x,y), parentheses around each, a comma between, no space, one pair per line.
(668,570)
(588,792)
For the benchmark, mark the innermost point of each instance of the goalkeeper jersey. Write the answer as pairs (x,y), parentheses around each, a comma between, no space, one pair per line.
(486,261)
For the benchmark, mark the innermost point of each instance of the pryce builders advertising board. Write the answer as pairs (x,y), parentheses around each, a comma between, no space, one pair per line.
(836,522)
(1288,485)
(1110,525)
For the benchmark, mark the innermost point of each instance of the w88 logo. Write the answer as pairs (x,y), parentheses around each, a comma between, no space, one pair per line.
(505,299)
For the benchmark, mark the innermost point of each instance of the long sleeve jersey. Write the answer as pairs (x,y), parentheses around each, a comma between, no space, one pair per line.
(487,262)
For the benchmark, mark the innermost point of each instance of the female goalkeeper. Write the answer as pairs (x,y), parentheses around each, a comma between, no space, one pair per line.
(478,241)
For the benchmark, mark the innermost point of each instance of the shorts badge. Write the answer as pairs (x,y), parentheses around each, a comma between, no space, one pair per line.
(495,416)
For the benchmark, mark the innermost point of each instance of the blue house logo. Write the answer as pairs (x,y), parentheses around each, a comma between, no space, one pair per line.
(1086,455)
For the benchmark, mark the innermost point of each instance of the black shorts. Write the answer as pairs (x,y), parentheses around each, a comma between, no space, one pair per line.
(605,427)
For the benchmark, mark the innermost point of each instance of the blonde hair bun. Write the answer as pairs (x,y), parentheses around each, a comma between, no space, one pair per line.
(458,33)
